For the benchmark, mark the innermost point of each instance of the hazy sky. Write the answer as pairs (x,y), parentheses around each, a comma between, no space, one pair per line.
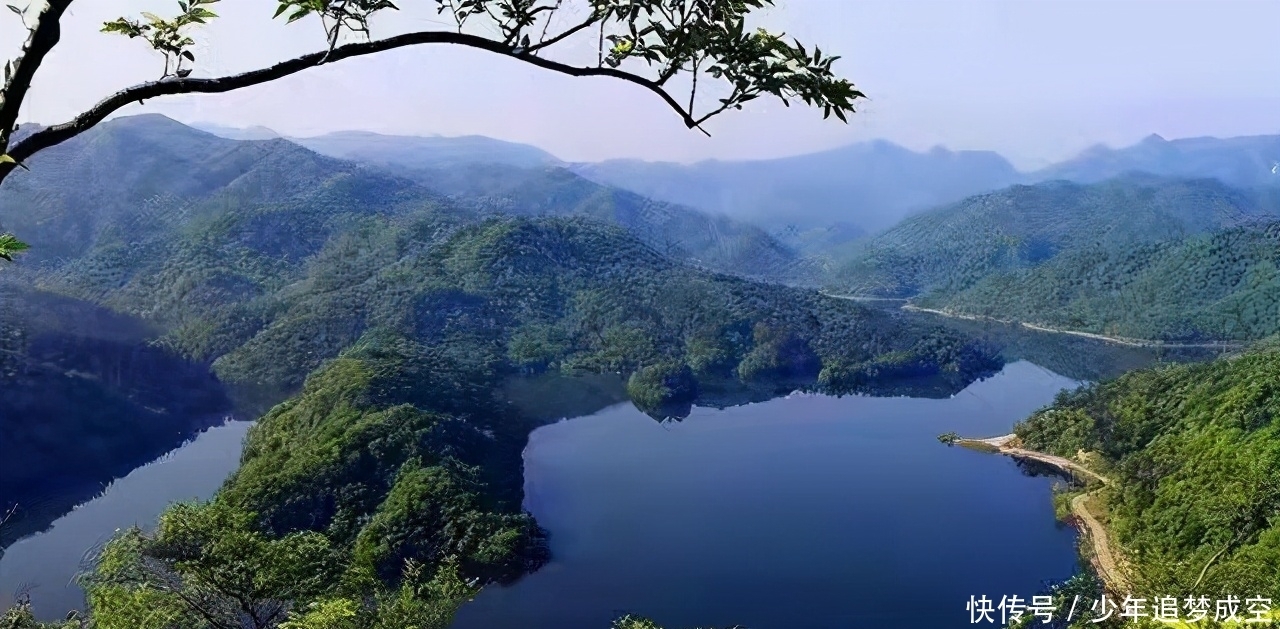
(1036,80)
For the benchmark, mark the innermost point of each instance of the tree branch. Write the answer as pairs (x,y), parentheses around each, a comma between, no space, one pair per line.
(567,33)
(44,36)
(52,136)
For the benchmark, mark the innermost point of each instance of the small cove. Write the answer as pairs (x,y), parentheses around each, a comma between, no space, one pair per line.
(44,565)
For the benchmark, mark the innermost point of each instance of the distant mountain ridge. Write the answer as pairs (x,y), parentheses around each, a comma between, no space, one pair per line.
(408,151)
(821,200)
(1248,161)
(871,185)
(948,249)
(426,152)
(132,178)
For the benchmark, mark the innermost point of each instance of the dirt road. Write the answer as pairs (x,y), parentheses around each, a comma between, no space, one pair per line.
(1106,560)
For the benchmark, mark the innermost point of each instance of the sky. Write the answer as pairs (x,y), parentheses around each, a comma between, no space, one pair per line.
(1035,80)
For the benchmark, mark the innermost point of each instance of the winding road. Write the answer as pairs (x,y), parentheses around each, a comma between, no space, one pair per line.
(1118,340)
(1104,557)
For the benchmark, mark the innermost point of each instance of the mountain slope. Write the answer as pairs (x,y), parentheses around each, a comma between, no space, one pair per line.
(565,293)
(135,175)
(84,399)
(128,186)
(426,152)
(949,249)
(870,185)
(1194,451)
(1246,162)
(710,240)
(1224,285)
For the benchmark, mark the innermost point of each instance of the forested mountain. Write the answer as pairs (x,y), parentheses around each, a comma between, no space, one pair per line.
(132,181)
(1223,285)
(710,240)
(1137,256)
(427,151)
(84,399)
(869,186)
(951,248)
(1194,454)
(1246,162)
(399,310)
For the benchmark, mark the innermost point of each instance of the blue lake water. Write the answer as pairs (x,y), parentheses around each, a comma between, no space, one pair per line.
(802,512)
(44,565)
(805,512)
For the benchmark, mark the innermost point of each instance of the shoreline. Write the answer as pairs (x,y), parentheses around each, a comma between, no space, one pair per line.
(1105,560)
(1118,340)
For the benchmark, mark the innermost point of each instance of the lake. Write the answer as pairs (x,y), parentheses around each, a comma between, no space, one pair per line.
(45,564)
(800,512)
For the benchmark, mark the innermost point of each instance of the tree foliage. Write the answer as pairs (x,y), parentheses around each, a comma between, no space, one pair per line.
(1195,453)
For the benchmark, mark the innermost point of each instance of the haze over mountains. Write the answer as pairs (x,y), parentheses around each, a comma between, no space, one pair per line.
(1083,244)
(822,199)
(1165,239)
(261,260)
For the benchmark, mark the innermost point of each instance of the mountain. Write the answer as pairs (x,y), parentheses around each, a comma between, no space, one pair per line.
(426,152)
(136,176)
(266,258)
(948,249)
(1137,256)
(1193,454)
(237,133)
(1222,285)
(710,240)
(81,383)
(132,180)
(1246,162)
(869,185)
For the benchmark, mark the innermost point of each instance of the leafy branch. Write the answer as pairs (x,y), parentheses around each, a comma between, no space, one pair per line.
(10,245)
(335,15)
(167,36)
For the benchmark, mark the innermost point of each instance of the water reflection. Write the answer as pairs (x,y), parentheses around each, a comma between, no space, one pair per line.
(45,564)
(802,512)
(85,397)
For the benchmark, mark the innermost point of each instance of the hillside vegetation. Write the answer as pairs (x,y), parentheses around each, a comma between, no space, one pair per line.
(1223,285)
(389,488)
(1137,256)
(127,189)
(84,399)
(1194,451)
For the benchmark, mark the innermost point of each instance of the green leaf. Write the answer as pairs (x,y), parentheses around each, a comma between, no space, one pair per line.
(9,245)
